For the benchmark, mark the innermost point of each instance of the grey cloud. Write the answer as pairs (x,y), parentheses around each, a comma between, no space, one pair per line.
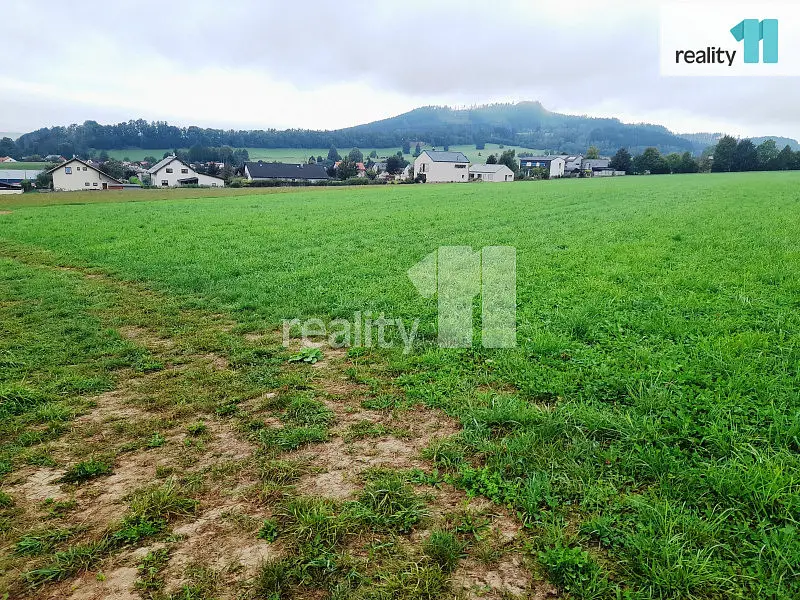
(451,49)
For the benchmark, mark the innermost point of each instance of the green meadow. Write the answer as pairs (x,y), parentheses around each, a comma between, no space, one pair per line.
(24,165)
(644,433)
(301,155)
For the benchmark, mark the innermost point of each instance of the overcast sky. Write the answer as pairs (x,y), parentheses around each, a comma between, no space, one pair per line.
(273,63)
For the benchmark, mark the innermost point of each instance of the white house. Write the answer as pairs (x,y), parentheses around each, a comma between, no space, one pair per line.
(442,167)
(6,159)
(490,173)
(554,164)
(173,172)
(75,175)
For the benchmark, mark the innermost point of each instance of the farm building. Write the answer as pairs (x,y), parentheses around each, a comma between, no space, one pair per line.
(261,171)
(490,173)
(17,176)
(173,172)
(9,188)
(442,167)
(6,159)
(589,165)
(572,163)
(554,164)
(75,175)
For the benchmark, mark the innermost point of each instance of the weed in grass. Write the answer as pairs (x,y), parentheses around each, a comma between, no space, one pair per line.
(39,542)
(314,525)
(6,500)
(412,581)
(307,355)
(67,563)
(444,549)
(305,411)
(575,571)
(197,429)
(282,472)
(150,571)
(156,440)
(365,429)
(391,503)
(291,438)
(86,470)
(273,581)
(268,530)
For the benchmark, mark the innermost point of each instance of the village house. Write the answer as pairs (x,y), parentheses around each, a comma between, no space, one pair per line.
(591,167)
(362,170)
(490,173)
(173,172)
(572,164)
(6,159)
(553,164)
(262,171)
(442,167)
(75,174)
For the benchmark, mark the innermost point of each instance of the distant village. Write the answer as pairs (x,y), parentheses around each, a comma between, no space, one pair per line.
(174,170)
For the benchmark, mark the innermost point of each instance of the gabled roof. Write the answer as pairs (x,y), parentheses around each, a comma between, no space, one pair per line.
(451,157)
(487,168)
(541,158)
(267,170)
(163,163)
(85,164)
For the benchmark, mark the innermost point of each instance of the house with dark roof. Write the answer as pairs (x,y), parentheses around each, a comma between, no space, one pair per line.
(553,164)
(442,167)
(261,171)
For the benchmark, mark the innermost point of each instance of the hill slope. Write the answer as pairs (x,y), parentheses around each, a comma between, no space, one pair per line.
(526,124)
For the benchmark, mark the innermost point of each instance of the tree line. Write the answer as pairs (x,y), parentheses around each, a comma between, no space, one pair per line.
(728,155)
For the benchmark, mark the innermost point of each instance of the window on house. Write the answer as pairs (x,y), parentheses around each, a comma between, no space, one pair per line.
(184,171)
(68,170)
(461,166)
(85,168)
(169,170)
(95,184)
(213,185)
(86,184)
(164,183)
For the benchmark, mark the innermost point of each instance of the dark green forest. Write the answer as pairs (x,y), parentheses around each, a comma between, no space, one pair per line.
(526,124)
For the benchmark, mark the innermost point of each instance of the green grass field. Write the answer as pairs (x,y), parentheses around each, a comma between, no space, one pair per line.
(301,155)
(644,433)
(23,165)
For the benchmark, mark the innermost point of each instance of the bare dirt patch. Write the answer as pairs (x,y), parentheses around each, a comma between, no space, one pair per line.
(509,576)
(6,212)
(117,584)
(213,542)
(338,485)
(146,338)
(38,485)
